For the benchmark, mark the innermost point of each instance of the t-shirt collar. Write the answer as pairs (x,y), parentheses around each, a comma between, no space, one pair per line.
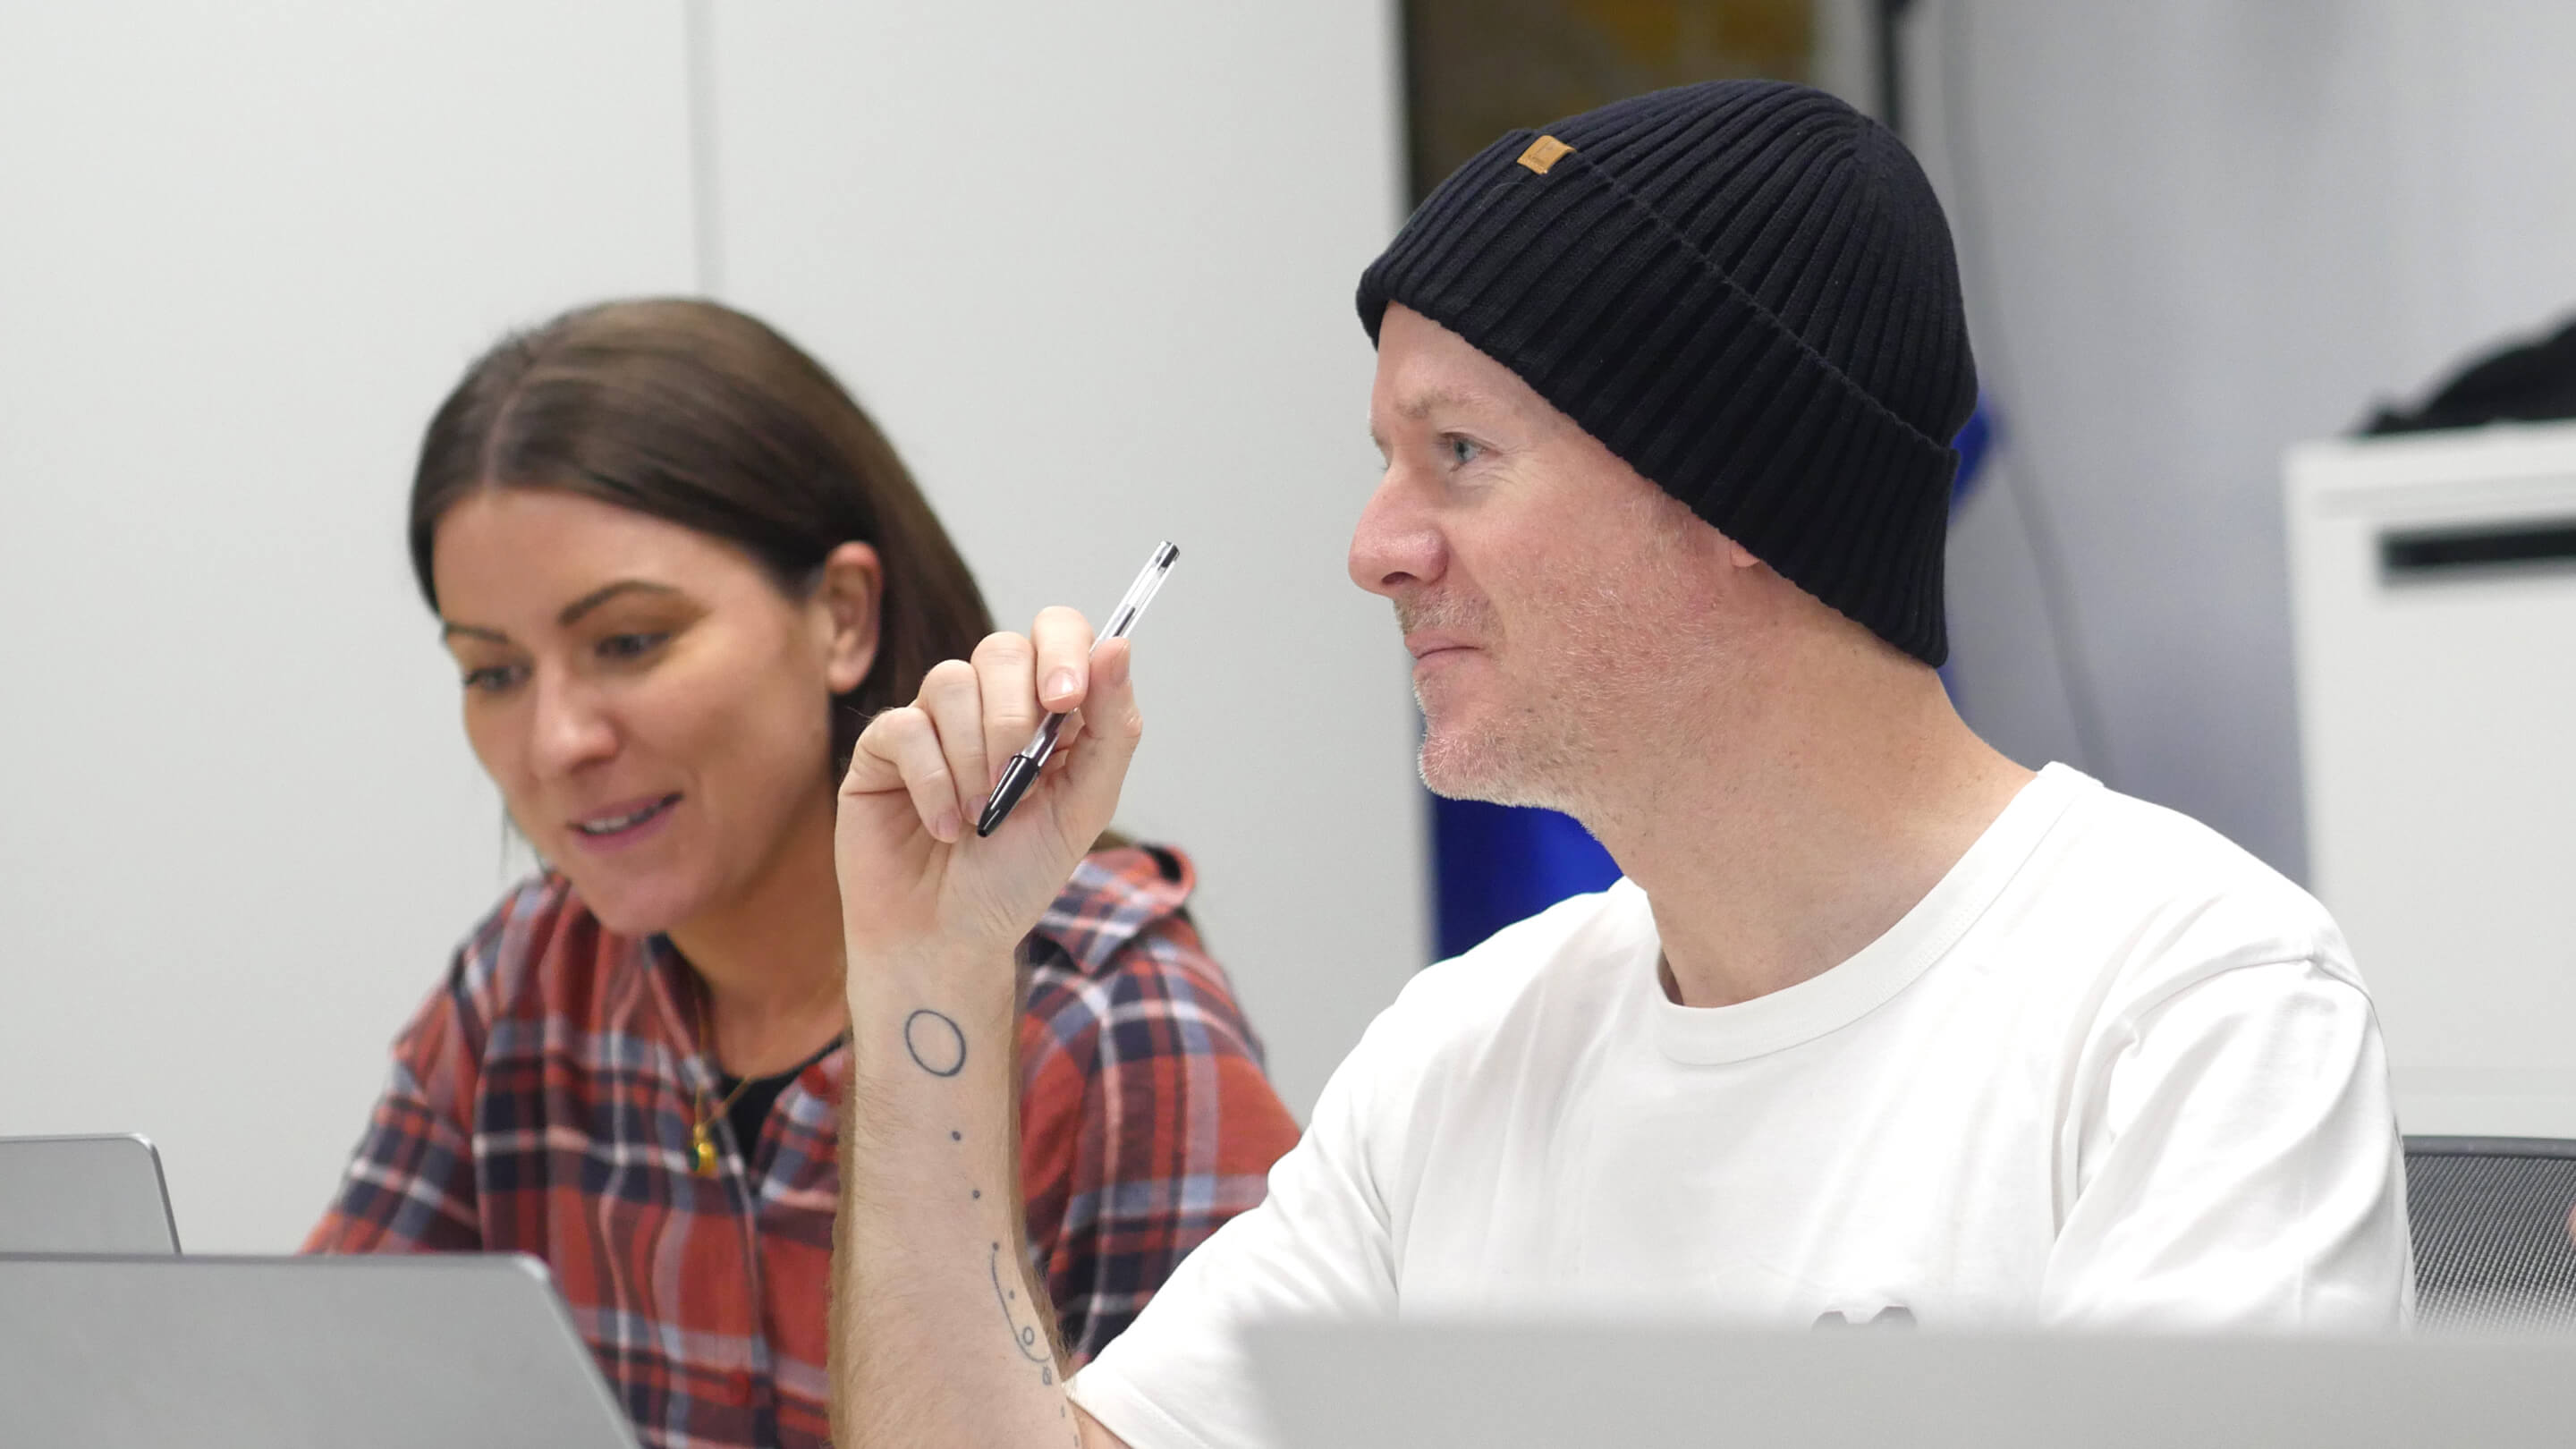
(1878,971)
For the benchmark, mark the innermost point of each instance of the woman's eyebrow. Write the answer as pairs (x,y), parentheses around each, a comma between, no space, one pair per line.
(573,611)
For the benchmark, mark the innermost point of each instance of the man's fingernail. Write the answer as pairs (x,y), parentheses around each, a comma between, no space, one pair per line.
(945,828)
(1059,684)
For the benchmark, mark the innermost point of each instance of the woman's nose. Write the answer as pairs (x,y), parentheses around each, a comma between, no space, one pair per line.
(571,726)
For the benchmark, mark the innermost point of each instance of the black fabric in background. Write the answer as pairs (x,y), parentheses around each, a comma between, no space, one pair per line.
(2524,383)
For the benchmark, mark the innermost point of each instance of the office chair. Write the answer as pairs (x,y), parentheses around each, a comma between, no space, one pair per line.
(2490,1224)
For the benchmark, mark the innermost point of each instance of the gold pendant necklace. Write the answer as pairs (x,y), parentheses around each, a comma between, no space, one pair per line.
(702,1135)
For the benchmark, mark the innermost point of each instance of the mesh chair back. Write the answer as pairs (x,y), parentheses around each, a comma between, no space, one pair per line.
(2493,1251)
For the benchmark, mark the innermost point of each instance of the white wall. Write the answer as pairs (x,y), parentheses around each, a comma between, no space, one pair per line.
(249,247)
(1092,267)
(2194,233)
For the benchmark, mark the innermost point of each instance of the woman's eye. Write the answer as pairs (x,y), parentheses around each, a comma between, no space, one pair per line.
(630,646)
(492,678)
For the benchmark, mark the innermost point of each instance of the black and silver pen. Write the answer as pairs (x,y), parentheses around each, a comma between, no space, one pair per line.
(1022,772)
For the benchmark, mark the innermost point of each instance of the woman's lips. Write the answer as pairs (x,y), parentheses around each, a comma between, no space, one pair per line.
(625,824)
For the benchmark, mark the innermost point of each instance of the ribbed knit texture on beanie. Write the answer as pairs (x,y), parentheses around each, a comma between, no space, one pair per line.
(1746,290)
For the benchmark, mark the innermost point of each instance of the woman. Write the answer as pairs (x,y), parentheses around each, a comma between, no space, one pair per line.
(678,569)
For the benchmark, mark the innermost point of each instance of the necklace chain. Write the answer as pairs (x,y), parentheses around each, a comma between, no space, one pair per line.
(702,1140)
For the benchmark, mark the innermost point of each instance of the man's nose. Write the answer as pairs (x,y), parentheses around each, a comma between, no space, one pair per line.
(1397,544)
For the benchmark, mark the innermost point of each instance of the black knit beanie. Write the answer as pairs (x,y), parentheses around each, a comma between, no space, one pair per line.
(1745,289)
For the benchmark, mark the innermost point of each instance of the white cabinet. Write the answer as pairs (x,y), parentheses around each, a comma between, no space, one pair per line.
(2433,585)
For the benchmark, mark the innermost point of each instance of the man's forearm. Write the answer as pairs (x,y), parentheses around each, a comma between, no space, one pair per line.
(938,1335)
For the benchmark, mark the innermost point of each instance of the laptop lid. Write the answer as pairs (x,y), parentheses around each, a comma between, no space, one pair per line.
(1363,1386)
(432,1351)
(84,1195)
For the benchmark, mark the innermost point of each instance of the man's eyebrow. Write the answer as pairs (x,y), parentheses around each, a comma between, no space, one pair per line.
(1421,404)
(573,611)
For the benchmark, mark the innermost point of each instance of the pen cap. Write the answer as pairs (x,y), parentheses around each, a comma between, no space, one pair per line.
(1149,582)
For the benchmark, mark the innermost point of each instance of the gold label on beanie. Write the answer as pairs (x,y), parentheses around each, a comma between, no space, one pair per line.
(1544,152)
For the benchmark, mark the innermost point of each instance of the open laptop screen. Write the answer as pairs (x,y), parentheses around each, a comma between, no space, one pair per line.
(83,1195)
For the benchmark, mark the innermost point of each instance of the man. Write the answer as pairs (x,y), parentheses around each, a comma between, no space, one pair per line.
(1880,1028)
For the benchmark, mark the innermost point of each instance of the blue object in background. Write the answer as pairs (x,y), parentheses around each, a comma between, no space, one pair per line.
(1492,865)
(1976,438)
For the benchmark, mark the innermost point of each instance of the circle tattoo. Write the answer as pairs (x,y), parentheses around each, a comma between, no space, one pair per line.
(937,1046)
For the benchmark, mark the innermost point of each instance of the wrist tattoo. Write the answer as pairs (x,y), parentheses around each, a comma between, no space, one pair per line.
(936,1043)
(1026,1336)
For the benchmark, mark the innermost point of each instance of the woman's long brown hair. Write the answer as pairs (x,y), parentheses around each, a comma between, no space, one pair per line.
(693,412)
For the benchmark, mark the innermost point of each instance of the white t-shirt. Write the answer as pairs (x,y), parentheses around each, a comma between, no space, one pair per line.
(2112,1070)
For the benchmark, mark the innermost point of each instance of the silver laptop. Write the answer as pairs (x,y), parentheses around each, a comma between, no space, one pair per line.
(84,1195)
(1358,1387)
(398,1352)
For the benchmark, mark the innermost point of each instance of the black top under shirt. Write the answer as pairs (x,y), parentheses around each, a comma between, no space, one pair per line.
(751,1109)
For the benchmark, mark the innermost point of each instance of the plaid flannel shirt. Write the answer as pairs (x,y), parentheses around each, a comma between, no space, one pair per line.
(541,1103)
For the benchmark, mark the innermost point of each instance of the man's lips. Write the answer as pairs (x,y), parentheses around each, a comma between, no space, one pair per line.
(1427,643)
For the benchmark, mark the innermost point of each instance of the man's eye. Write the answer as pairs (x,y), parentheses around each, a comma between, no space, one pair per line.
(1461,451)
(492,678)
(630,646)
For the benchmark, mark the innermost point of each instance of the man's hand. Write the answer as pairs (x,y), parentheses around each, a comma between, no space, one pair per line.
(915,879)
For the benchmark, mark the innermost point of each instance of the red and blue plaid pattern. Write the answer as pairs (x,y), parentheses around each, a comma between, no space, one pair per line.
(541,1103)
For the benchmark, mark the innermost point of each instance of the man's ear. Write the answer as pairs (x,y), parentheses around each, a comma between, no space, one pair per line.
(848,593)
